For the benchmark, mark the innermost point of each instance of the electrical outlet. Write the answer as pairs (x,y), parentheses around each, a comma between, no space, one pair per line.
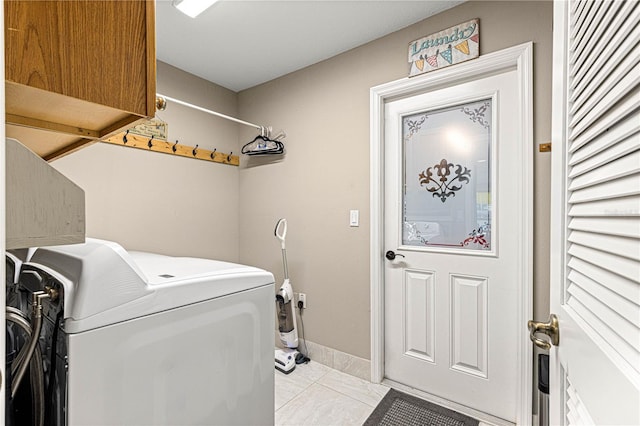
(302,298)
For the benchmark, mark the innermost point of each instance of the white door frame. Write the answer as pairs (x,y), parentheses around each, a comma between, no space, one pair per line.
(519,58)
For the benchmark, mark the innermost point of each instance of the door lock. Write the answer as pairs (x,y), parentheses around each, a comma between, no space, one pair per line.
(550,328)
(392,255)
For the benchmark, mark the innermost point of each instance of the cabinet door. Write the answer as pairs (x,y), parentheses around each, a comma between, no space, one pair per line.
(90,50)
(77,71)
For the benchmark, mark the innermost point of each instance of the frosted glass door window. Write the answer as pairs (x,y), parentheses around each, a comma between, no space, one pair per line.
(447,178)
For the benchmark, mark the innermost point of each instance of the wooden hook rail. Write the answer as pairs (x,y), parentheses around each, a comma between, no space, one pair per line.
(156,145)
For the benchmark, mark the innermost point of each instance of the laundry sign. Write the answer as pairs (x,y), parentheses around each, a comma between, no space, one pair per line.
(451,46)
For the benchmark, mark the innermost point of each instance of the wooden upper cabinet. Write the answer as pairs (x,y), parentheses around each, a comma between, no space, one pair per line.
(77,71)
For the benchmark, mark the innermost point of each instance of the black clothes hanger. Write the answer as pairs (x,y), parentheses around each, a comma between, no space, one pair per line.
(262,145)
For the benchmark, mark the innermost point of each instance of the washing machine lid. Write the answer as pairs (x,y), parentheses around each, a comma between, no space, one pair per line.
(161,271)
(104,284)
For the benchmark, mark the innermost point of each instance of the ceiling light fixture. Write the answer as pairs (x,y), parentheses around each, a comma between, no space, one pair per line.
(192,8)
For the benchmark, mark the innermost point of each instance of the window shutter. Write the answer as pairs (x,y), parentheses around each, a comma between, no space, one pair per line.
(603,167)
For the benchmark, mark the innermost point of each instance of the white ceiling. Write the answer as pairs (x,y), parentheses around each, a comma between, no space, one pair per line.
(239,44)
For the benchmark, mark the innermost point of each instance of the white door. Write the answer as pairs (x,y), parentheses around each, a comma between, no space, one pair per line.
(595,259)
(457,175)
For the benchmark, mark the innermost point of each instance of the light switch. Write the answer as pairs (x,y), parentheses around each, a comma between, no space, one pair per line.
(354,218)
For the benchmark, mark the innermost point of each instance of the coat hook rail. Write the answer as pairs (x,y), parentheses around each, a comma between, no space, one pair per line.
(143,142)
(161,104)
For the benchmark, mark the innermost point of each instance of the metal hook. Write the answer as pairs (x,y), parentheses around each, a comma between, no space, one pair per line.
(173,148)
(213,154)
(229,156)
(124,138)
(149,144)
(194,150)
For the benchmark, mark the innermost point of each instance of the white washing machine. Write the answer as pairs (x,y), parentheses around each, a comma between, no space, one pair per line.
(146,339)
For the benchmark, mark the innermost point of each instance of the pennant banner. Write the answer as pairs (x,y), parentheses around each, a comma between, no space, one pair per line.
(463,47)
(433,60)
(453,45)
(447,55)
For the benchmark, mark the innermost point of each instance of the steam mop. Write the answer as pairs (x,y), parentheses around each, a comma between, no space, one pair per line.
(285,309)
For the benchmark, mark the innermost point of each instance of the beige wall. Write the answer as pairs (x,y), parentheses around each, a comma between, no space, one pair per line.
(157,202)
(324,110)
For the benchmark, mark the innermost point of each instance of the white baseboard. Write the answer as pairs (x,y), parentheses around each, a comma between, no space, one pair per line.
(333,358)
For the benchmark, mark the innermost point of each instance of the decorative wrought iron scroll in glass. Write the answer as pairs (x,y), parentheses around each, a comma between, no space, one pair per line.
(447,199)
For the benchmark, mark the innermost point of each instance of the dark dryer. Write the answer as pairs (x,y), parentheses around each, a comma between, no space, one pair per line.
(35,345)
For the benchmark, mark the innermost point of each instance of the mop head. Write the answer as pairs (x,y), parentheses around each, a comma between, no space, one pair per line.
(286,360)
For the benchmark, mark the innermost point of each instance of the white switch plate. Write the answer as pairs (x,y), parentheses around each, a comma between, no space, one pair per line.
(354,218)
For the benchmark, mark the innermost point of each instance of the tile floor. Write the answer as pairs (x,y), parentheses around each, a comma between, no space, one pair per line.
(314,394)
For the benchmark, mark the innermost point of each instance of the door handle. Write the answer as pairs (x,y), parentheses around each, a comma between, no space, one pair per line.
(550,328)
(392,255)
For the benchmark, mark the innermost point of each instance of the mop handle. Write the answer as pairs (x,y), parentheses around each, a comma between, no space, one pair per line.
(280,233)
(284,263)
(283,232)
